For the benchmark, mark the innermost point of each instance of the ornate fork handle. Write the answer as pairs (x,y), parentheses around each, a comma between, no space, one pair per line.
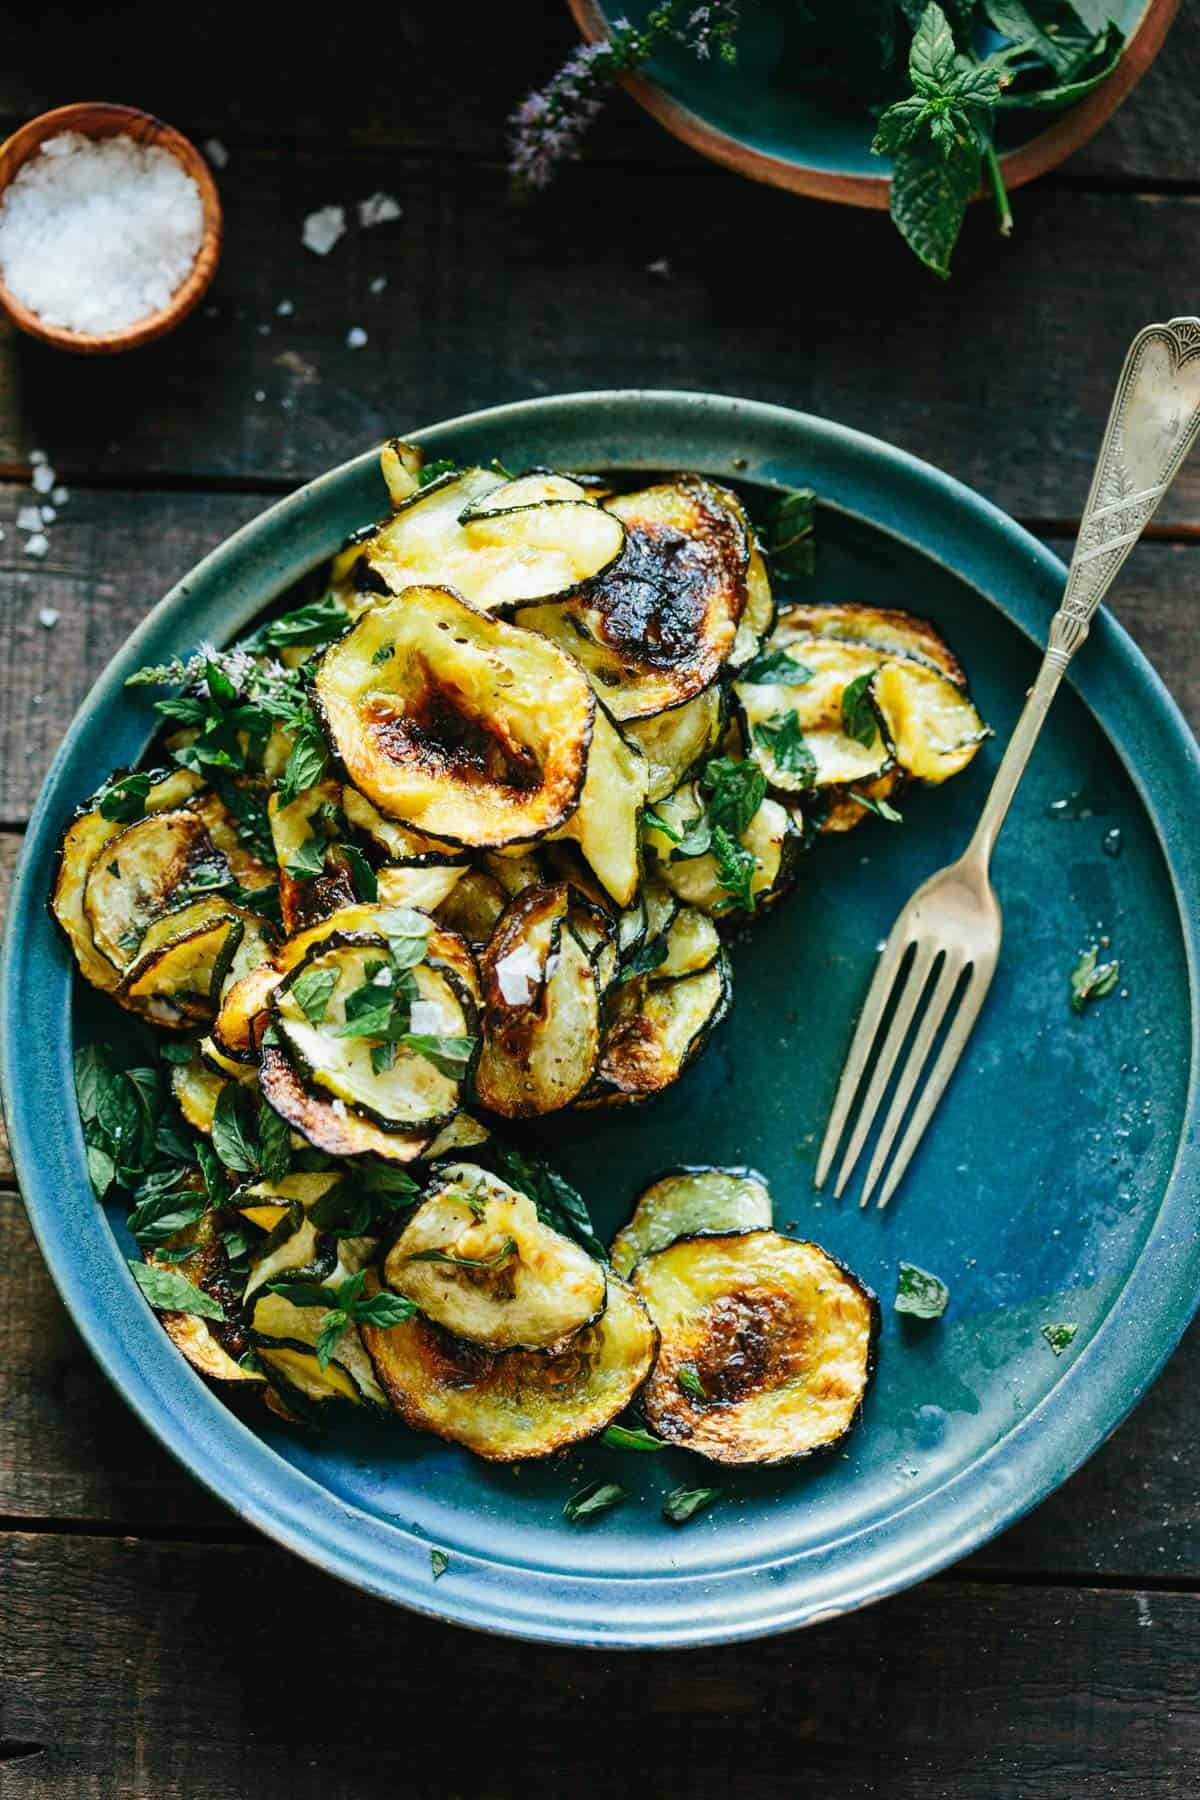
(1153,424)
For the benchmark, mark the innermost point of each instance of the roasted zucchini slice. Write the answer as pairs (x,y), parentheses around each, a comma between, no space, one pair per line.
(772,837)
(211,1347)
(796,732)
(541,1019)
(294,1247)
(890,632)
(329,1125)
(403,848)
(247,869)
(149,868)
(244,1016)
(197,1088)
(758,615)
(520,1404)
(847,807)
(442,946)
(477,1260)
(933,725)
(534,489)
(424,889)
(462,1133)
(660,624)
(653,1030)
(778,1336)
(595,928)
(692,944)
(606,824)
(515,869)
(88,834)
(283,1333)
(457,723)
(495,556)
(675,743)
(400,464)
(176,983)
(473,907)
(323,1011)
(689,1200)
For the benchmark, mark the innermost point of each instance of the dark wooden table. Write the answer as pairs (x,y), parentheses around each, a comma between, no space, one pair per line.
(152,1647)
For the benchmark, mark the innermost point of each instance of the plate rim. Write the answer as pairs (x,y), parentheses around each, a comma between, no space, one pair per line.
(1069,132)
(1101,1386)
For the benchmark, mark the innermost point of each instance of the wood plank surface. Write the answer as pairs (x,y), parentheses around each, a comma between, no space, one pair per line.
(1002,376)
(187,1672)
(436,78)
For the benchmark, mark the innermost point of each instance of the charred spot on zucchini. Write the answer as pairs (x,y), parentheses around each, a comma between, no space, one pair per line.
(519,1404)
(474,730)
(686,1201)
(541,1018)
(147,868)
(779,1337)
(657,627)
(476,1259)
(654,1029)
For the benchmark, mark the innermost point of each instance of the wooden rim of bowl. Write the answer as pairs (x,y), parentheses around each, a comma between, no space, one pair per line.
(1071,130)
(99,119)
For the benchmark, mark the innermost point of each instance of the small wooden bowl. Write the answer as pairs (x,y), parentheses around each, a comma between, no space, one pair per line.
(95,119)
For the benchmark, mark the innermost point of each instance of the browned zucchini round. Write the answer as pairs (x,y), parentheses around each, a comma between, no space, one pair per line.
(655,1029)
(177,982)
(519,1404)
(424,889)
(402,847)
(457,723)
(406,1089)
(888,631)
(605,824)
(775,1334)
(477,1260)
(796,731)
(541,1018)
(772,837)
(149,868)
(473,907)
(329,1125)
(675,743)
(685,1201)
(659,625)
(243,1015)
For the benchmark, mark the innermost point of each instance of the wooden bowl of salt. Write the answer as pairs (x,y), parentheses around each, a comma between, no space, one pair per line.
(110,227)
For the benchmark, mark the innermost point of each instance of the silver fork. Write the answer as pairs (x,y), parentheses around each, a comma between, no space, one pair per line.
(947,939)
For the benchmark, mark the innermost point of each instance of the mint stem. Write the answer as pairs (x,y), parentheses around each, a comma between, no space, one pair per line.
(999,191)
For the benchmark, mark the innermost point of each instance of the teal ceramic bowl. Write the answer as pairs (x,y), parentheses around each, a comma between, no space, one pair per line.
(1059,1183)
(749,117)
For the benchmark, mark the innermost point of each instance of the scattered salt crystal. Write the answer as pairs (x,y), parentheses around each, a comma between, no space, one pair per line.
(356,337)
(1,534)
(264,331)
(60,496)
(661,268)
(37,545)
(48,617)
(48,515)
(42,478)
(96,234)
(425,1018)
(29,518)
(260,395)
(285,309)
(323,228)
(38,456)
(378,285)
(338,1108)
(216,152)
(518,974)
(378,209)
(382,977)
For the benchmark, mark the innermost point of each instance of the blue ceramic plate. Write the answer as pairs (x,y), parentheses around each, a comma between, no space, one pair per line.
(1058,1184)
(753,117)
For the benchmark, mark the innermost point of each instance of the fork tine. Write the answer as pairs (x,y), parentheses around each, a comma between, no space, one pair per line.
(935,1012)
(860,1049)
(885,1062)
(977,986)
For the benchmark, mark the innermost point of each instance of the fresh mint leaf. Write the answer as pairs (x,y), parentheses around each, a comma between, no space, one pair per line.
(883,809)
(232,1132)
(312,991)
(652,821)
(407,933)
(329,1335)
(439,1562)
(858,714)
(215,1185)
(590,1501)
(168,1292)
(302,1293)
(102,1170)
(306,764)
(735,792)
(694,840)
(929,200)
(444,465)
(508,1248)
(362,875)
(162,1216)
(1052,29)
(319,623)
(630,1437)
(645,959)
(775,668)
(1108,52)
(920,1294)
(931,58)
(124,800)
(685,1503)
(687,1378)
(274,1145)
(790,539)
(384,1310)
(736,869)
(1092,979)
(781,737)
(558,1204)
(1059,1337)
(93,1072)
(308,860)
(449,1055)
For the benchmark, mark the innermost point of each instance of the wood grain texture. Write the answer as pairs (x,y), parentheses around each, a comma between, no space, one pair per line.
(1003,376)
(70,1450)
(981,1692)
(448,80)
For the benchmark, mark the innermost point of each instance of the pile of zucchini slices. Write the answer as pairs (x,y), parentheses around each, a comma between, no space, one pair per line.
(453,842)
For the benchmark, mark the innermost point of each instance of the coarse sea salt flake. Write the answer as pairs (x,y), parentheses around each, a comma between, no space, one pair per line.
(425,1018)
(48,515)
(323,228)
(518,974)
(285,309)
(96,234)
(48,618)
(377,286)
(42,479)
(356,337)
(37,545)
(60,496)
(378,209)
(216,152)
(29,518)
